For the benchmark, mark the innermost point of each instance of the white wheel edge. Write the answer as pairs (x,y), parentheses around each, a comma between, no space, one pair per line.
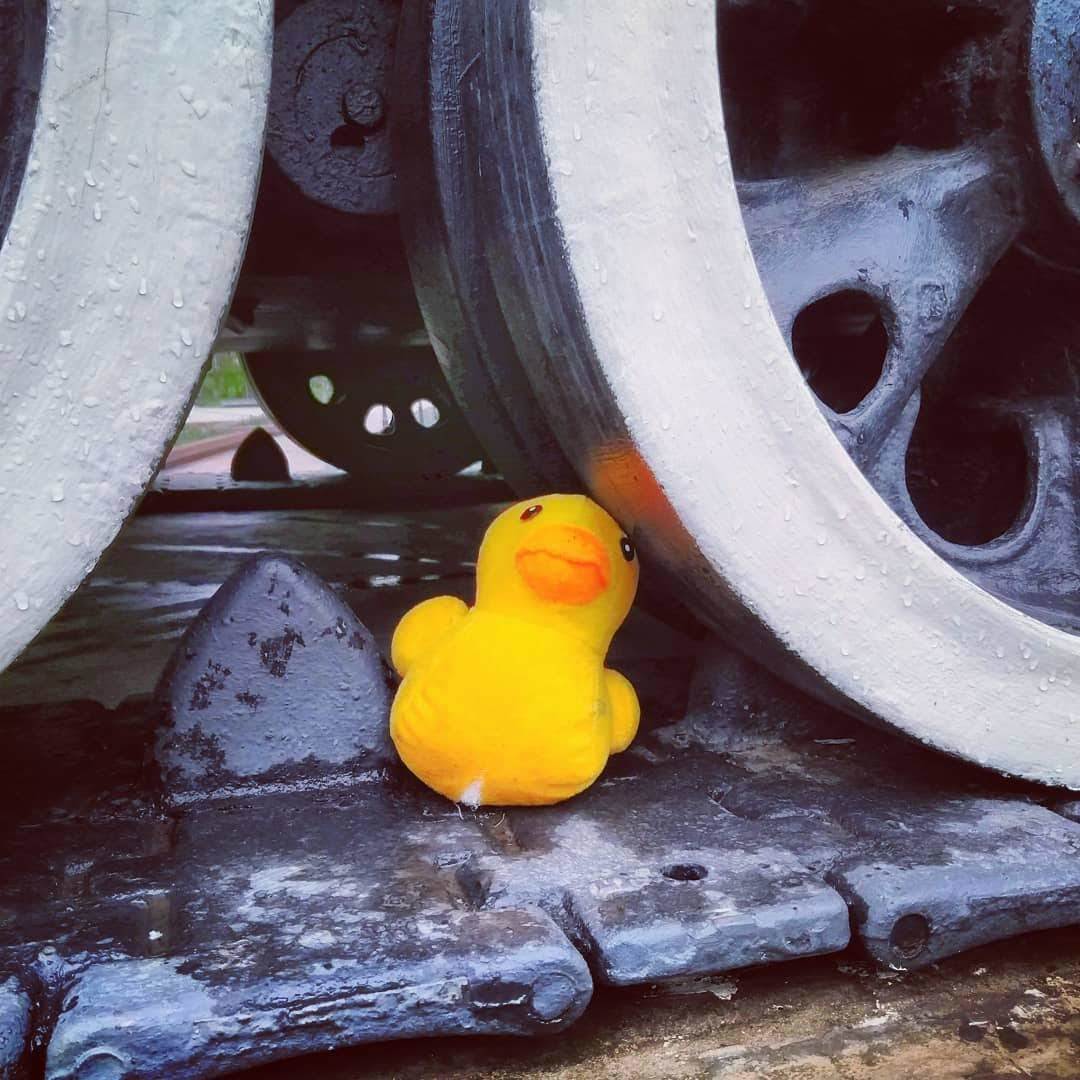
(630,113)
(116,270)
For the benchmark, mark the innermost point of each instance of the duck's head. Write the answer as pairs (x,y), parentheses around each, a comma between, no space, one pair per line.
(560,559)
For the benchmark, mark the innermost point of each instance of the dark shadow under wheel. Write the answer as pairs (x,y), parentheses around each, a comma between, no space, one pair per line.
(383,413)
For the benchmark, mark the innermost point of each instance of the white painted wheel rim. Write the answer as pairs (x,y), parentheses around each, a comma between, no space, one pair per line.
(716,405)
(116,271)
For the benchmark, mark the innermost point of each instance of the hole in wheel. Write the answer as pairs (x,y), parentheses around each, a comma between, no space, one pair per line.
(685,872)
(969,473)
(321,388)
(910,935)
(347,135)
(379,420)
(425,412)
(840,342)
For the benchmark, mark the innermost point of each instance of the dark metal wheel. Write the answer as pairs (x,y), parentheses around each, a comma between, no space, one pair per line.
(20,81)
(577,199)
(915,216)
(382,413)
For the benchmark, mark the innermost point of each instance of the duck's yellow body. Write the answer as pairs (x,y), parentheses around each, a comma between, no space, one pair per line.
(509,702)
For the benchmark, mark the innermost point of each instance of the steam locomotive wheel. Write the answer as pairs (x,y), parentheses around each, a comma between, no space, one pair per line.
(384,414)
(601,233)
(125,196)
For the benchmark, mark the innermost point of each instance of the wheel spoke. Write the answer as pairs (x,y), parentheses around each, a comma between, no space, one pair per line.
(916,232)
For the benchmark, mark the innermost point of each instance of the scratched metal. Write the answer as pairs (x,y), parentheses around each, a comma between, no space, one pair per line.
(316,911)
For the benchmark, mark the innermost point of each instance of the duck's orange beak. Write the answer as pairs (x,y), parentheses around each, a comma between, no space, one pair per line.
(564,564)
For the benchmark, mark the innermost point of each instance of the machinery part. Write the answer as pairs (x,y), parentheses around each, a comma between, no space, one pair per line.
(380,413)
(328,128)
(638,316)
(259,459)
(20,79)
(904,251)
(116,267)
(295,897)
(453,283)
(309,314)
(14,1025)
(228,720)
(1054,73)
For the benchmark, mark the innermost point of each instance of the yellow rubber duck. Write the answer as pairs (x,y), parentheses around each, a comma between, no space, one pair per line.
(508,702)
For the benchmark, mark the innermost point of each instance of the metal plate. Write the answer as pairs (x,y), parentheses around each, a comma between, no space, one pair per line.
(301,914)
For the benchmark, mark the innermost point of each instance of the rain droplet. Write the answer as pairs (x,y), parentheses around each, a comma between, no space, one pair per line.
(22,601)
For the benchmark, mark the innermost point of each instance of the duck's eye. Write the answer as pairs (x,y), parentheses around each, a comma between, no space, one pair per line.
(627,549)
(530,512)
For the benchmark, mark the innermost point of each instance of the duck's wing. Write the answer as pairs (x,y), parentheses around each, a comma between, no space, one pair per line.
(422,627)
(625,709)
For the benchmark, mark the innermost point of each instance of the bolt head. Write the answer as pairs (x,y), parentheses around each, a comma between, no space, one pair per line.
(363,106)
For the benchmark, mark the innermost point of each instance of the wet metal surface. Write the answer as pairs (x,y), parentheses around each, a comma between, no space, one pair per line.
(330,901)
(113,638)
(276,679)
(312,914)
